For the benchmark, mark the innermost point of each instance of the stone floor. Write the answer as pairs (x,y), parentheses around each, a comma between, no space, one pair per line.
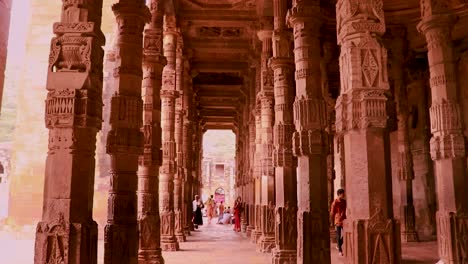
(210,244)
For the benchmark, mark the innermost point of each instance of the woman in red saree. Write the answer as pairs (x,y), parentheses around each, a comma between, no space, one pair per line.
(237,214)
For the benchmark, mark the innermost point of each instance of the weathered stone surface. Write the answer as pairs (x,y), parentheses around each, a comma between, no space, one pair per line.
(73,112)
(361,117)
(125,139)
(220,76)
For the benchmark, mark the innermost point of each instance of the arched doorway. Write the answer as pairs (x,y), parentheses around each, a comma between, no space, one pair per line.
(219,195)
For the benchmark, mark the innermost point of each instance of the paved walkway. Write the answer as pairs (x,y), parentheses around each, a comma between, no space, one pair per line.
(211,244)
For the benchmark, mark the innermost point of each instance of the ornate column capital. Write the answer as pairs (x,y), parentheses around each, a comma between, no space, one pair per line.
(264,34)
(435,14)
(354,17)
(304,12)
(129,8)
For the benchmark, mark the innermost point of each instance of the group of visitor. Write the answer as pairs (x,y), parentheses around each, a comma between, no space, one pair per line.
(337,214)
(225,216)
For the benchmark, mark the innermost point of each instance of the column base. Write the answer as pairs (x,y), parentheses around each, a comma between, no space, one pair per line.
(255,236)
(120,244)
(169,244)
(187,231)
(249,231)
(181,238)
(452,233)
(60,242)
(282,256)
(266,243)
(313,238)
(244,227)
(150,256)
(410,236)
(376,240)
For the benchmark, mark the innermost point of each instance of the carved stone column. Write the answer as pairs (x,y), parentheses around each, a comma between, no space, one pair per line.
(266,99)
(251,150)
(125,140)
(148,170)
(169,168)
(328,50)
(310,142)
(67,232)
(448,144)
(179,126)
(257,232)
(371,235)
(187,148)
(282,64)
(424,196)
(405,158)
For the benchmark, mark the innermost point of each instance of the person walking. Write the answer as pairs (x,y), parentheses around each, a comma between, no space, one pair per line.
(197,217)
(210,208)
(220,212)
(337,216)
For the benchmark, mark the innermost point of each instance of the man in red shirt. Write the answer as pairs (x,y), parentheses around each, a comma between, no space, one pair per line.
(337,216)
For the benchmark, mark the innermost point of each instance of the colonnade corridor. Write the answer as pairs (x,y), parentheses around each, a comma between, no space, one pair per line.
(117,102)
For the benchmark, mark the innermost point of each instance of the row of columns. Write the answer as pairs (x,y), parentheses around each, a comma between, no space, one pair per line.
(149,143)
(153,125)
(362,137)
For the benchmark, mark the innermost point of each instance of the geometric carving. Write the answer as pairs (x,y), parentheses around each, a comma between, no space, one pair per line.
(370,68)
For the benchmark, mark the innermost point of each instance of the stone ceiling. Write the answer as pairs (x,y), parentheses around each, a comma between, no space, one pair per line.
(220,36)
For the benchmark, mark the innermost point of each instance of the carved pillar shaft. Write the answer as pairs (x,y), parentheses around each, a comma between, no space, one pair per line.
(371,235)
(67,232)
(251,153)
(179,126)
(282,64)
(310,139)
(266,100)
(405,158)
(187,149)
(424,202)
(148,169)
(168,169)
(257,232)
(448,144)
(125,140)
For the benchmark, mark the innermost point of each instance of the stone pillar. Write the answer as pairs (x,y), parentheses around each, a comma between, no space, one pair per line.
(251,149)
(310,142)
(67,232)
(245,165)
(169,168)
(179,127)
(148,170)
(328,50)
(282,64)
(448,144)
(187,148)
(266,99)
(125,140)
(405,158)
(257,232)
(424,196)
(371,235)
(5,14)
